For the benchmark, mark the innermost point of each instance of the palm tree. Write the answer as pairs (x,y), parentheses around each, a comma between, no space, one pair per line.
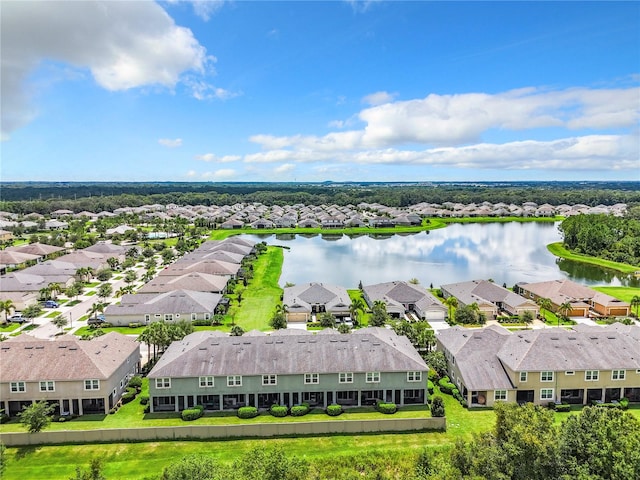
(105,290)
(95,308)
(635,302)
(6,306)
(451,303)
(545,304)
(60,321)
(55,289)
(44,293)
(564,310)
(357,306)
(145,337)
(124,290)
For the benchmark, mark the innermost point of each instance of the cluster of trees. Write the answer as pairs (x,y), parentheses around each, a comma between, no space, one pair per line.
(96,197)
(159,335)
(525,444)
(603,236)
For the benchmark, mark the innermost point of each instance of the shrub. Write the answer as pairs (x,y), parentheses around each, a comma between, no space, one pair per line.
(279,410)
(430,387)
(624,403)
(387,408)
(129,396)
(192,413)
(201,323)
(135,382)
(147,408)
(247,412)
(433,375)
(4,418)
(300,410)
(62,419)
(464,403)
(134,325)
(113,410)
(551,405)
(437,407)
(565,407)
(446,386)
(144,399)
(334,410)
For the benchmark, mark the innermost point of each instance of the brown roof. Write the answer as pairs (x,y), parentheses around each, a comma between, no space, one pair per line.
(27,358)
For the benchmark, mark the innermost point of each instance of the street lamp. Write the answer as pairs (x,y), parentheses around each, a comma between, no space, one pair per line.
(70,320)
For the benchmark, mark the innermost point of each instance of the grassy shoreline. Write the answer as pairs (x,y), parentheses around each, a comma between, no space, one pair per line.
(559,250)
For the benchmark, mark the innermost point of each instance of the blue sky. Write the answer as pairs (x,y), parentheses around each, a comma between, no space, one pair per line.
(313,91)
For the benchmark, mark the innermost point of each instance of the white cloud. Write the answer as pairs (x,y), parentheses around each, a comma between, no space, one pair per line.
(379,98)
(221,174)
(123,44)
(284,168)
(202,8)
(202,90)
(211,157)
(444,120)
(170,143)
(594,152)
(191,173)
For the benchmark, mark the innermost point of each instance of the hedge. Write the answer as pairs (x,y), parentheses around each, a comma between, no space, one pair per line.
(144,399)
(387,408)
(247,412)
(446,386)
(192,413)
(430,387)
(279,410)
(135,382)
(334,410)
(300,410)
(129,396)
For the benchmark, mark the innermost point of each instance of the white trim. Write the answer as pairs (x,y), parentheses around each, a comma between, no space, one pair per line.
(414,376)
(526,377)
(547,398)
(593,374)
(49,386)
(345,377)
(542,375)
(163,382)
(269,379)
(372,377)
(495,396)
(234,380)
(92,384)
(621,375)
(206,381)
(311,378)
(18,387)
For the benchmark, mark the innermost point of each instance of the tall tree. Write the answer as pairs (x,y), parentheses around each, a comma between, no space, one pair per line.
(451,303)
(6,307)
(60,321)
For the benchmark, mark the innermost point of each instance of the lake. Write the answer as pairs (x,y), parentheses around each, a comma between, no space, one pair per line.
(505,252)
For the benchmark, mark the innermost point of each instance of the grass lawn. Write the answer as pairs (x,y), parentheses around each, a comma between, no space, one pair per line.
(53,314)
(559,251)
(8,327)
(621,293)
(263,293)
(124,330)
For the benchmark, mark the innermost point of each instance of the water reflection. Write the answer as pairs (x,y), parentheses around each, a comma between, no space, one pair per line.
(505,252)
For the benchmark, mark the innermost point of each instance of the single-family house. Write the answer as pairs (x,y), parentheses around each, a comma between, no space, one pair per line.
(402,298)
(305,301)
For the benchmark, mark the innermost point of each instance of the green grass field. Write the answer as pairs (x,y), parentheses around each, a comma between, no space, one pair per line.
(259,300)
(559,251)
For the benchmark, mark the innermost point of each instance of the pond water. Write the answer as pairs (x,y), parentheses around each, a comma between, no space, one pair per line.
(505,252)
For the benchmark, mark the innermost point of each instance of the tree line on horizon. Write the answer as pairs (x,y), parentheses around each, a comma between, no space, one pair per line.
(95,197)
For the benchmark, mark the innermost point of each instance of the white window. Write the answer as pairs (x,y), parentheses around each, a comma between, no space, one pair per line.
(546,376)
(373,377)
(206,382)
(147,318)
(234,381)
(18,387)
(591,375)
(618,374)
(207,316)
(311,378)
(92,384)
(453,360)
(48,386)
(158,315)
(345,377)
(499,395)
(168,317)
(414,376)
(269,379)
(163,382)
(546,394)
(523,376)
(569,372)
(194,316)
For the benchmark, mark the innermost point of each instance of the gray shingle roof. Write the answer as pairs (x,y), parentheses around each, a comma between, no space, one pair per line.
(369,350)
(300,298)
(175,301)
(196,281)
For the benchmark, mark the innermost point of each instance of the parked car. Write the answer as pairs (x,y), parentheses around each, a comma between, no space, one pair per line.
(17,318)
(50,304)
(97,320)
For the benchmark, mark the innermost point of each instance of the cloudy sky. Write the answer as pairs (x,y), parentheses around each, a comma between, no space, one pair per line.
(311,91)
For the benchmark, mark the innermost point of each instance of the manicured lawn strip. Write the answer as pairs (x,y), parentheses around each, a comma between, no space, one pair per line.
(621,293)
(222,234)
(559,251)
(53,314)
(123,330)
(9,327)
(263,293)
